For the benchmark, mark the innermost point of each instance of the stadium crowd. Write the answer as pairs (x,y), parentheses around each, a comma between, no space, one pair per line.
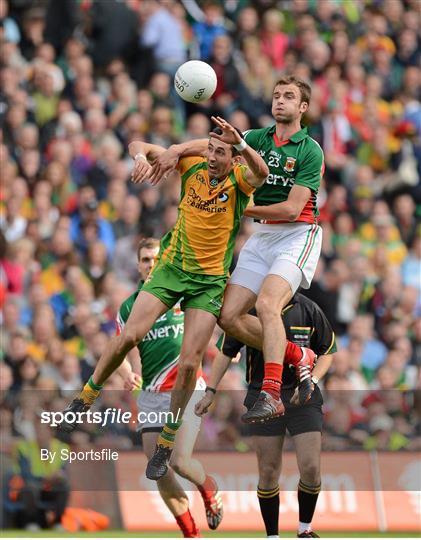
(81,79)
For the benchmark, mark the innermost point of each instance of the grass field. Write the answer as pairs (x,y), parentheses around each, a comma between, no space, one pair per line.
(13,533)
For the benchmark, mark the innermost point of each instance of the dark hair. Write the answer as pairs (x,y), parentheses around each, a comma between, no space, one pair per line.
(149,243)
(219,131)
(303,86)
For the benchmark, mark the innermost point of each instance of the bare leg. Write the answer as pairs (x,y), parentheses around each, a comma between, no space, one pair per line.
(198,328)
(308,450)
(273,297)
(269,459)
(308,447)
(182,461)
(274,294)
(170,490)
(235,320)
(146,310)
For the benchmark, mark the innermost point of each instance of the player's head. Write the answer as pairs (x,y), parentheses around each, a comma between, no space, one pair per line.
(147,253)
(221,156)
(290,100)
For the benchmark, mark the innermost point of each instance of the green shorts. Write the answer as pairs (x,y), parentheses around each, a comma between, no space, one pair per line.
(199,291)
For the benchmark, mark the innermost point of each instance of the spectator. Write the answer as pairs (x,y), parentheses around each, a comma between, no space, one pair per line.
(373,351)
(108,41)
(42,496)
(384,437)
(163,33)
(89,217)
(247,25)
(229,84)
(411,268)
(210,28)
(274,42)
(128,224)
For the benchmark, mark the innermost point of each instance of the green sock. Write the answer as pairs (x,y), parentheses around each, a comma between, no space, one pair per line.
(94,386)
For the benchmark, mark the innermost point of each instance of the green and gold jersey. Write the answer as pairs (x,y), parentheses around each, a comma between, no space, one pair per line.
(209,215)
(160,348)
(298,160)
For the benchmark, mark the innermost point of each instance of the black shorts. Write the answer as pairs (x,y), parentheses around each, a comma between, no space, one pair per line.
(297,419)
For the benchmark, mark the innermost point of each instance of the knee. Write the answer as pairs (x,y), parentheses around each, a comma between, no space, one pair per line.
(179,464)
(310,474)
(267,308)
(128,339)
(227,320)
(188,364)
(268,475)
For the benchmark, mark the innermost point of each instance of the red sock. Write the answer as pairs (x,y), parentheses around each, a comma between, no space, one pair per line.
(187,525)
(208,488)
(273,379)
(293,353)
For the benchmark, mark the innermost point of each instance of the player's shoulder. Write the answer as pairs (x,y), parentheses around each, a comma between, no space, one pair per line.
(258,131)
(258,134)
(187,163)
(126,305)
(312,146)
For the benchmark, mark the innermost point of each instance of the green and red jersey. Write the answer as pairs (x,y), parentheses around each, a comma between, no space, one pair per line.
(297,161)
(160,348)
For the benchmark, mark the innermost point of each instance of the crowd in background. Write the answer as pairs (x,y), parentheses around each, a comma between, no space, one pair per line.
(80,79)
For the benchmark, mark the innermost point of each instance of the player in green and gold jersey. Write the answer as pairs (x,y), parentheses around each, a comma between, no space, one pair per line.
(159,353)
(193,267)
(283,253)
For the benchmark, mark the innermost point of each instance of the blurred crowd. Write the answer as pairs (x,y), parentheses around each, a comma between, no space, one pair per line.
(80,79)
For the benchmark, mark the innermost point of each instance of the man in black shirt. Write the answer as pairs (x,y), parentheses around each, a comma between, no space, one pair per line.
(306,326)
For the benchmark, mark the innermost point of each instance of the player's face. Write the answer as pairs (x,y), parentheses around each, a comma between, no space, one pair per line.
(220,159)
(286,103)
(147,259)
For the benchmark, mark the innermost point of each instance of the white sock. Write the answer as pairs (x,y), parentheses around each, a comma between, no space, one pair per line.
(302,527)
(273,536)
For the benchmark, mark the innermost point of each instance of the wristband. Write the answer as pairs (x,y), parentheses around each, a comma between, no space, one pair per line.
(140,156)
(240,146)
(213,390)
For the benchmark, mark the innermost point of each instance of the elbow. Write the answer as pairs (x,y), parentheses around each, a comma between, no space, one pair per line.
(292,214)
(264,173)
(261,178)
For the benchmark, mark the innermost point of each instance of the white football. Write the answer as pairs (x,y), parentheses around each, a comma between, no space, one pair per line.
(195,81)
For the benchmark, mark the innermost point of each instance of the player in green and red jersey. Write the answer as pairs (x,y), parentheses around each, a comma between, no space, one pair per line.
(282,255)
(159,353)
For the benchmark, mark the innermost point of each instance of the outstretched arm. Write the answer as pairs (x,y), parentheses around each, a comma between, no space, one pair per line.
(167,161)
(258,170)
(143,153)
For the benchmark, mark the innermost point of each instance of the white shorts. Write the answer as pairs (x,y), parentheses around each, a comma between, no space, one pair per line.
(288,250)
(156,402)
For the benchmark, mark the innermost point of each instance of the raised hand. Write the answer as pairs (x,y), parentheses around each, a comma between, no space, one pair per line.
(229,134)
(141,171)
(163,165)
